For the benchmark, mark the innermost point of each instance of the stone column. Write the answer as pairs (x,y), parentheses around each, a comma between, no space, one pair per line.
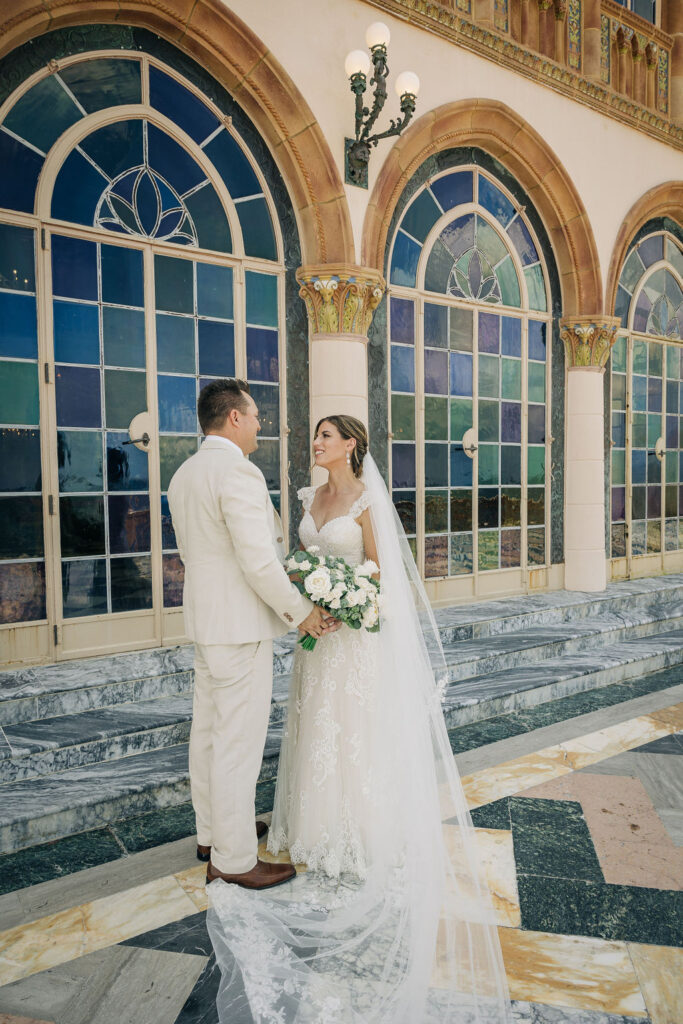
(591,39)
(560,31)
(340,300)
(546,28)
(672,22)
(650,76)
(587,344)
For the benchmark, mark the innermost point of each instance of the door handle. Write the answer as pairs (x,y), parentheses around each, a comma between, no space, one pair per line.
(139,440)
(471,448)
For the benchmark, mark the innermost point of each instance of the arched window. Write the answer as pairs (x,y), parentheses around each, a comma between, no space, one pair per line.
(647,405)
(469,328)
(140,257)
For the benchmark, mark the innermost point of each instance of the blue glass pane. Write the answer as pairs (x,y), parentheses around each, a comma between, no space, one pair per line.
(217,348)
(453,189)
(172,162)
(654,398)
(20,460)
(123,336)
(439,266)
(74,268)
(104,82)
(116,147)
(128,523)
(404,260)
(672,432)
(77,190)
(127,466)
(76,332)
(181,106)
(84,587)
(537,340)
(519,233)
(168,538)
(43,114)
(257,229)
(458,236)
(79,455)
(209,219)
(131,583)
(214,291)
(489,333)
(512,337)
(262,355)
(122,276)
(19,393)
(511,421)
(173,285)
(436,465)
(261,299)
(177,404)
(402,321)
(78,397)
(638,466)
(16,258)
(461,374)
(403,465)
(436,325)
(619,429)
(175,344)
(622,304)
(421,216)
(19,331)
(21,167)
(536,424)
(651,250)
(436,372)
(461,467)
(267,399)
(493,200)
(402,369)
(233,166)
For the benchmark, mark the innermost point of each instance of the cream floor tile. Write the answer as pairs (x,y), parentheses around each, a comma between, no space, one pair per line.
(278,858)
(506,779)
(571,971)
(604,743)
(71,933)
(6,1018)
(193,882)
(673,716)
(660,972)
(496,863)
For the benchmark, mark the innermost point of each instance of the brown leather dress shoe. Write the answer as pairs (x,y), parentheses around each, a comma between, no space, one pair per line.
(204,852)
(261,876)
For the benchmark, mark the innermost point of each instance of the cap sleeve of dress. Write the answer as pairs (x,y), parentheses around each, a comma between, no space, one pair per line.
(360,504)
(306,496)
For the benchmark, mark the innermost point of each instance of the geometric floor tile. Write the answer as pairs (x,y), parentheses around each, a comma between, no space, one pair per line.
(660,974)
(535,1013)
(5,1018)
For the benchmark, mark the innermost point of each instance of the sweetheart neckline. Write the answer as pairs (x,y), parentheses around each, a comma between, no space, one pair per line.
(347,515)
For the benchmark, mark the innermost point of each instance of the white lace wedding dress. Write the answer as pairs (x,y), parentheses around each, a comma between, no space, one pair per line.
(329,792)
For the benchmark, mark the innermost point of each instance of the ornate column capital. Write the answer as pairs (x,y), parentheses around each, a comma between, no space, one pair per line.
(340,298)
(588,340)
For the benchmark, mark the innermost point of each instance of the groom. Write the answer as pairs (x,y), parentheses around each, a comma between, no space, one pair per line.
(236,598)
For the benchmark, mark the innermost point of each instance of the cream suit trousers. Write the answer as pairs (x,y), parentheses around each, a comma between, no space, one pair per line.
(232,692)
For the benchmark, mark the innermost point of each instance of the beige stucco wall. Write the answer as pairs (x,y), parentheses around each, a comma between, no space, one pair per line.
(610,164)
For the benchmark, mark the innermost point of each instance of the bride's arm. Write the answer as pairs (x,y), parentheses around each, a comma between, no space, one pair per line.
(369,539)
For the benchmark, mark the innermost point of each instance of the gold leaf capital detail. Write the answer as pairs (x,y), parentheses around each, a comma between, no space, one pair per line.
(340,299)
(588,342)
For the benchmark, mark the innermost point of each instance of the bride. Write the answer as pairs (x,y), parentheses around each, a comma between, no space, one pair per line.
(391,921)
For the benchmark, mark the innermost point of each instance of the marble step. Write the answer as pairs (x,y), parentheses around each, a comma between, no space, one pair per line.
(58,744)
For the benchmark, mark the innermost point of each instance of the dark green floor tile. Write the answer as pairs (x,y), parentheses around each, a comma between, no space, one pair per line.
(571,707)
(493,815)
(265,795)
(156,827)
(54,860)
(551,838)
(479,734)
(624,913)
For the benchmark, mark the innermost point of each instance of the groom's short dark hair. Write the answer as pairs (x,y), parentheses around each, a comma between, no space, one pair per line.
(218,399)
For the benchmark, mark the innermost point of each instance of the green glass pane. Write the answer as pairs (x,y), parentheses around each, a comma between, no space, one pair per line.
(619,355)
(536,464)
(536,541)
(436,511)
(19,393)
(509,285)
(461,554)
(536,287)
(489,368)
(125,395)
(488,464)
(639,356)
(489,541)
(403,417)
(672,362)
(17,269)
(173,451)
(511,506)
(674,255)
(618,467)
(461,330)
(461,510)
(173,284)
(536,506)
(214,291)
(175,344)
(488,421)
(654,429)
(618,391)
(490,242)
(261,299)
(639,434)
(461,417)
(257,229)
(79,455)
(21,529)
(209,218)
(672,467)
(632,271)
(436,419)
(43,114)
(512,379)
(655,359)
(123,336)
(537,382)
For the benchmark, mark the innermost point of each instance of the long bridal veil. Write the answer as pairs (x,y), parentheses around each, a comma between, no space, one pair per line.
(416,941)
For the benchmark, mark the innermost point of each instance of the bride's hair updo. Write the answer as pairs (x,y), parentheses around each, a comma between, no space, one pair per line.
(350,429)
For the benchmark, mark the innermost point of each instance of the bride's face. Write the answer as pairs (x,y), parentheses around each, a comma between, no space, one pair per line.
(329,447)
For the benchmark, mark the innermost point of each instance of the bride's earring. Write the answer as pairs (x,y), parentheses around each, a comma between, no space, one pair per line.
(348,458)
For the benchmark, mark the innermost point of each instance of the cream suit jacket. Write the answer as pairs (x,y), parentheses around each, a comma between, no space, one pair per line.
(230,540)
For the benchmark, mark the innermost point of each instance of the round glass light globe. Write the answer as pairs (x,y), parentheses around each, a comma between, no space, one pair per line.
(357,63)
(378,34)
(407,81)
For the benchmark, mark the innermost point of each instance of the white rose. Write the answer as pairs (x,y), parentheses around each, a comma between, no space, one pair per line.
(304,566)
(351,598)
(335,602)
(292,564)
(338,590)
(361,597)
(367,568)
(313,549)
(319,584)
(370,617)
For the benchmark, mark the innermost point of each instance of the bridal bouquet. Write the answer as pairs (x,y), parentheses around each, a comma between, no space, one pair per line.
(347,592)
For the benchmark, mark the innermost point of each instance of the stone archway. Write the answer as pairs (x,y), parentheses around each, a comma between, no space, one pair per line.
(503,134)
(221,42)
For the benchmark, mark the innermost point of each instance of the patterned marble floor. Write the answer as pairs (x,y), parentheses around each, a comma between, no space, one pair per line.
(580,823)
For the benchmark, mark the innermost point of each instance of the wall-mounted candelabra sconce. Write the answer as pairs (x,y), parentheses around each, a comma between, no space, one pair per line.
(357,66)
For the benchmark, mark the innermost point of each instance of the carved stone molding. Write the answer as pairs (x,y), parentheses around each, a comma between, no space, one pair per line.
(340,298)
(588,340)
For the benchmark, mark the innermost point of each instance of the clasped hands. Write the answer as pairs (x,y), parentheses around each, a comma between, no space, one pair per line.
(318,623)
